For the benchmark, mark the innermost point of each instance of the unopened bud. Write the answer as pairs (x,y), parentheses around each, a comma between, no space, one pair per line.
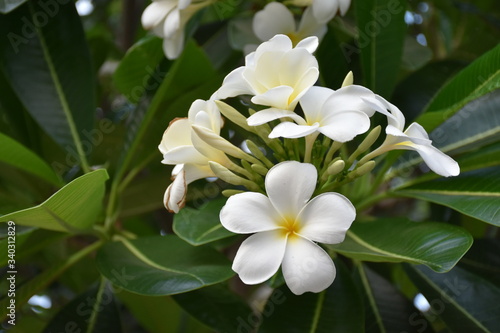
(232,114)
(258,153)
(362,170)
(229,177)
(366,144)
(228,193)
(349,80)
(335,167)
(259,169)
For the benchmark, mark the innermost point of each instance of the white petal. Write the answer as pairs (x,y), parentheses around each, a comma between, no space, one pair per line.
(313,100)
(234,84)
(438,161)
(260,256)
(197,171)
(294,65)
(276,97)
(401,137)
(267,115)
(351,98)
(184,154)
(279,43)
(415,130)
(306,266)
(172,47)
(345,125)
(292,130)
(175,195)
(206,114)
(249,212)
(274,19)
(178,133)
(183,4)
(289,185)
(303,85)
(344,6)
(309,26)
(310,44)
(155,13)
(172,23)
(325,10)
(326,218)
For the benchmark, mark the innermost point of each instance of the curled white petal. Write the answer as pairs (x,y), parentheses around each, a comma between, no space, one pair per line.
(175,195)
(292,130)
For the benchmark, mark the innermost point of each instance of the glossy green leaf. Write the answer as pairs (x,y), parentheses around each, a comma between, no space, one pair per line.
(161,265)
(481,158)
(337,309)
(45,57)
(381,29)
(136,72)
(476,80)
(14,153)
(96,310)
(387,310)
(473,126)
(215,306)
(43,279)
(464,301)
(474,193)
(201,226)
(73,208)
(9,5)
(436,245)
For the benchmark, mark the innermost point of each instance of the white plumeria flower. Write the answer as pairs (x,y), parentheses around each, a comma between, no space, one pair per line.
(339,115)
(276,74)
(276,18)
(324,10)
(167,19)
(181,146)
(285,225)
(413,138)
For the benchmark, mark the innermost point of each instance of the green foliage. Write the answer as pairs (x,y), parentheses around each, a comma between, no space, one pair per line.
(111,259)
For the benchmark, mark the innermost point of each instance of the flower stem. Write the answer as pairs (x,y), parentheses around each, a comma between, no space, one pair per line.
(309,146)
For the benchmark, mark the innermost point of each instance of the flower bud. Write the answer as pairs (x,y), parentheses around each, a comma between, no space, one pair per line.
(232,114)
(366,144)
(226,175)
(335,167)
(362,170)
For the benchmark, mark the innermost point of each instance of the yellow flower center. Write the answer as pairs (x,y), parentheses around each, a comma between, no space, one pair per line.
(290,227)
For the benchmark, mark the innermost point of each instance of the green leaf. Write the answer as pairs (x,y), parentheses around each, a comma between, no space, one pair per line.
(474,193)
(73,208)
(387,310)
(464,301)
(201,226)
(9,5)
(475,125)
(14,153)
(332,61)
(481,158)
(436,245)
(161,265)
(50,70)
(337,309)
(136,72)
(476,80)
(215,306)
(43,279)
(94,311)
(381,38)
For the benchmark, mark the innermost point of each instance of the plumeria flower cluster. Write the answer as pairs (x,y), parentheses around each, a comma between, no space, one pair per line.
(285,181)
(167,19)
